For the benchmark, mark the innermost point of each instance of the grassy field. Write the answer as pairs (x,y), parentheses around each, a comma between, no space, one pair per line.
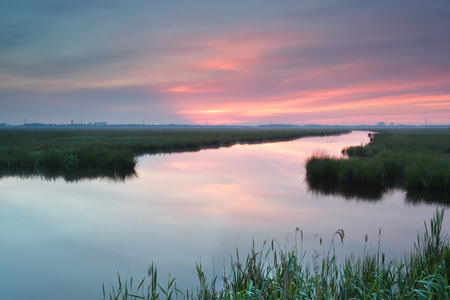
(117,149)
(271,273)
(417,158)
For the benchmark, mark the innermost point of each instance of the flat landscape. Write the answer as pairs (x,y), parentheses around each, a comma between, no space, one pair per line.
(117,149)
(269,272)
(153,139)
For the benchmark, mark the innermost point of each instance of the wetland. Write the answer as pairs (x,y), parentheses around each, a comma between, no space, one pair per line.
(66,234)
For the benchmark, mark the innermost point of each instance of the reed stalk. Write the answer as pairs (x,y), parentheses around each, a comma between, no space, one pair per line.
(273,273)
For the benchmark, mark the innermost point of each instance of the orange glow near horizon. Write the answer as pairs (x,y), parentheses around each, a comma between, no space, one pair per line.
(231,85)
(388,105)
(195,89)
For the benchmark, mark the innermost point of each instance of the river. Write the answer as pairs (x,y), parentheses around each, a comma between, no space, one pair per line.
(64,239)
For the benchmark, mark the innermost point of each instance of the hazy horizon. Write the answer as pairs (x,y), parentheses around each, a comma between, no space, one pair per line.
(225,63)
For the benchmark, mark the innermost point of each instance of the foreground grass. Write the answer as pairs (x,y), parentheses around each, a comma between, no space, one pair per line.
(410,158)
(423,273)
(117,149)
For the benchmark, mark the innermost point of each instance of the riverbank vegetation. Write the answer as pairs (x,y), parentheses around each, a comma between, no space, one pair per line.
(411,158)
(423,273)
(117,149)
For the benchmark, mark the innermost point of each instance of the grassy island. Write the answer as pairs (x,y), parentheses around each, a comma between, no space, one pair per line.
(115,149)
(418,158)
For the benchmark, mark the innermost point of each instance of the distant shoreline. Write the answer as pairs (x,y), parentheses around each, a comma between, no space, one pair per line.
(116,150)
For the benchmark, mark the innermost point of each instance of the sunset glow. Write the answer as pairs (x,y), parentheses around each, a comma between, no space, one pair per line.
(247,63)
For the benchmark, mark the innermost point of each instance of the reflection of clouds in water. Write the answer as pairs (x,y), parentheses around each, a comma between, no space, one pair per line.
(255,185)
(187,207)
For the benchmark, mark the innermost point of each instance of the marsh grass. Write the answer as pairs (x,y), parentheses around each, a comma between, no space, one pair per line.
(272,273)
(406,158)
(118,149)
(321,166)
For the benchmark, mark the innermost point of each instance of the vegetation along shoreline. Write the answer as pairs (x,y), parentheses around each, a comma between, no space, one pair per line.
(117,149)
(408,158)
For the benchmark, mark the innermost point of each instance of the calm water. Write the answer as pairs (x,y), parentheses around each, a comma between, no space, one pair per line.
(63,240)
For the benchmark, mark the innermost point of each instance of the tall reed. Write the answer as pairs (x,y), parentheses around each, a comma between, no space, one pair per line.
(273,273)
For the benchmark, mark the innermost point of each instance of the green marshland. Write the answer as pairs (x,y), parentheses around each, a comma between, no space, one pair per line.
(410,158)
(117,149)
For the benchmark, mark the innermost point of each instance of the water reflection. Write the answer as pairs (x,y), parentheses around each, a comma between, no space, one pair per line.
(375,193)
(72,176)
(416,196)
(349,191)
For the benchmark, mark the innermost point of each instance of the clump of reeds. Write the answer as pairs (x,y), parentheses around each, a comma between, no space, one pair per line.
(276,274)
(322,166)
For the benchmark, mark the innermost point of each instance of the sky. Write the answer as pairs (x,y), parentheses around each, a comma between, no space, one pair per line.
(249,62)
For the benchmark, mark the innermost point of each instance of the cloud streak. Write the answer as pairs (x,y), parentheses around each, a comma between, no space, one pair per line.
(295,62)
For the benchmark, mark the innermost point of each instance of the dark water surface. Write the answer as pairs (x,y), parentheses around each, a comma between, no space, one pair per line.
(63,240)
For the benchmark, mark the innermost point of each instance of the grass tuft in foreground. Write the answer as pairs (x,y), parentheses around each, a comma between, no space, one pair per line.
(275,274)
